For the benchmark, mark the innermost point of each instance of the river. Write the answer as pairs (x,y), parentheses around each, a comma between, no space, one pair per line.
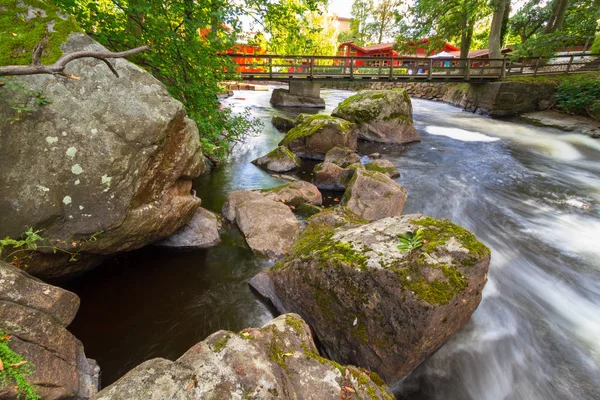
(531,194)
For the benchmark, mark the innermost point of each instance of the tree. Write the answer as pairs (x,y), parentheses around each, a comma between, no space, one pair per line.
(385,14)
(529,20)
(495,38)
(359,28)
(557,17)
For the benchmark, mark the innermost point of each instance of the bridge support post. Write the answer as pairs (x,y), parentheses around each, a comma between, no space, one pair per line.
(302,93)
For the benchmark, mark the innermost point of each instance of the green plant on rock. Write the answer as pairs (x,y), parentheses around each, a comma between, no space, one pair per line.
(410,241)
(22,101)
(14,369)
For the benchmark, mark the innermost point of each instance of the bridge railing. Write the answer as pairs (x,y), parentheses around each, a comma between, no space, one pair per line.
(275,67)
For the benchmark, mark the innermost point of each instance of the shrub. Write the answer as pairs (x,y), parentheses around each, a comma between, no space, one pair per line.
(579,95)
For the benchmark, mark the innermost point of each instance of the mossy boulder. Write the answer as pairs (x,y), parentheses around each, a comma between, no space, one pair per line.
(279,160)
(382,115)
(278,361)
(383,166)
(371,304)
(342,156)
(330,176)
(283,124)
(24,23)
(374,195)
(318,134)
(295,193)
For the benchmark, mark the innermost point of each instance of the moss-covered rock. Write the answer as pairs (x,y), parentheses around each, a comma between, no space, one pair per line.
(371,303)
(383,166)
(318,134)
(283,124)
(373,195)
(278,361)
(279,160)
(330,176)
(342,156)
(381,115)
(295,193)
(24,23)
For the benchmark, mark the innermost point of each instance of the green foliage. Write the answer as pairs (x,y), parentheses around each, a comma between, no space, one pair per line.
(579,95)
(14,369)
(29,241)
(596,46)
(22,101)
(359,29)
(410,241)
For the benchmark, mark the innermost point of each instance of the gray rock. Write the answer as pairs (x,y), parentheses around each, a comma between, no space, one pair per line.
(318,134)
(279,160)
(277,361)
(269,226)
(372,304)
(373,195)
(108,154)
(326,176)
(383,166)
(295,193)
(375,156)
(283,124)
(201,232)
(342,156)
(381,115)
(283,98)
(36,315)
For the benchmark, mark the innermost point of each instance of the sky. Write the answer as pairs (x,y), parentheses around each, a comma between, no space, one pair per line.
(340,7)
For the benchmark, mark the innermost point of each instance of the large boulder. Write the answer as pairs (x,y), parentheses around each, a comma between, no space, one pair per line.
(283,124)
(317,134)
(381,115)
(201,232)
(279,160)
(269,226)
(283,98)
(383,166)
(278,361)
(111,155)
(330,176)
(372,304)
(35,316)
(373,195)
(342,156)
(295,193)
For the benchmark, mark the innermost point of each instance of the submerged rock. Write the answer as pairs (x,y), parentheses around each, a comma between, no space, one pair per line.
(201,232)
(317,134)
(381,115)
(383,166)
(283,98)
(108,154)
(371,304)
(342,156)
(269,226)
(373,195)
(36,315)
(278,361)
(283,124)
(294,194)
(279,160)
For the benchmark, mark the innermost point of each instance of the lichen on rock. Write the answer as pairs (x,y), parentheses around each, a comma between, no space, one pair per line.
(279,160)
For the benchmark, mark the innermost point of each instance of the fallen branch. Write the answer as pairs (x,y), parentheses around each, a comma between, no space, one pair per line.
(58,67)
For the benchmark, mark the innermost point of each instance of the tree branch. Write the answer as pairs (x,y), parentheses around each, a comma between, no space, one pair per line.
(59,66)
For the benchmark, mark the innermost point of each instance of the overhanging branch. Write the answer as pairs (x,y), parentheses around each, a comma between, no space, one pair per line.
(59,66)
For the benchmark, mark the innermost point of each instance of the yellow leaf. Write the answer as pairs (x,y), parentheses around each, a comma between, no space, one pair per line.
(17,365)
(245,334)
(14,34)
(73,77)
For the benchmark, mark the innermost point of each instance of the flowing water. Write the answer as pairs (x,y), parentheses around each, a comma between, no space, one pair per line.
(531,194)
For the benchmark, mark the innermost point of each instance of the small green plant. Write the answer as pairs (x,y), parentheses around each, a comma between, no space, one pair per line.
(410,241)
(22,100)
(15,251)
(14,369)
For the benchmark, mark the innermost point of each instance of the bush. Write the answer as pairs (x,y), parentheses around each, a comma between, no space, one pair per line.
(580,95)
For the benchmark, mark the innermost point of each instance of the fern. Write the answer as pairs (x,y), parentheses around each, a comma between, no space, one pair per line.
(410,241)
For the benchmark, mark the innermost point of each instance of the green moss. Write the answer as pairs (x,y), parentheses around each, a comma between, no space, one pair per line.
(19,37)
(295,323)
(15,376)
(374,167)
(308,210)
(221,343)
(277,348)
(438,232)
(314,124)
(313,355)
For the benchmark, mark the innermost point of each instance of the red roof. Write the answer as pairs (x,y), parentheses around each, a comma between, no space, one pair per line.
(388,48)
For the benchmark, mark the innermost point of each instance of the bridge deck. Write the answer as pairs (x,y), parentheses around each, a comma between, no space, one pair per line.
(386,69)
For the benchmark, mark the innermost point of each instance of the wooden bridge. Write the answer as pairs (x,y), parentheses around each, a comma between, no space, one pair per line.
(387,69)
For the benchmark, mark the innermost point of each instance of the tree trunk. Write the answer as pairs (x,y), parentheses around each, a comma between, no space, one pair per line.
(495,38)
(557,18)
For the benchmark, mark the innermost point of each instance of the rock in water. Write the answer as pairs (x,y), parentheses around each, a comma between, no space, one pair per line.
(283,124)
(382,115)
(317,134)
(330,176)
(371,304)
(342,156)
(278,361)
(283,98)
(279,160)
(373,195)
(201,232)
(294,194)
(107,154)
(269,226)
(383,166)
(36,315)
